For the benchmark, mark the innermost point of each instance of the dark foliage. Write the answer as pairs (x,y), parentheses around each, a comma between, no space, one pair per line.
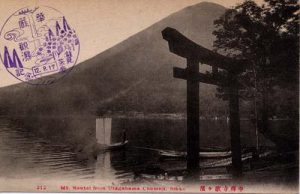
(268,37)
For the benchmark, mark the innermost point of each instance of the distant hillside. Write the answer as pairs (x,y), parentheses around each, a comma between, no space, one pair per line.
(135,75)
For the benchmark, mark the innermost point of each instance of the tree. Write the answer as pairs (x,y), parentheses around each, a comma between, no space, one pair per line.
(267,37)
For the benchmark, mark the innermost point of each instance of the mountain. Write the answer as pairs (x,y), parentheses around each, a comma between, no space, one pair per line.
(134,75)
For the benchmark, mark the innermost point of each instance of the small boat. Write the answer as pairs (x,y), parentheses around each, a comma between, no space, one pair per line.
(224,162)
(103,136)
(114,146)
(206,154)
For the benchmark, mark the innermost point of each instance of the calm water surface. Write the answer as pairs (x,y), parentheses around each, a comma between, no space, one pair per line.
(24,154)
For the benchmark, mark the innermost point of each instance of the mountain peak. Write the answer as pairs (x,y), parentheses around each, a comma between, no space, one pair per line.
(206,6)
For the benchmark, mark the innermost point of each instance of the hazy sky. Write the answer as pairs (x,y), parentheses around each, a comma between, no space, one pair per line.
(100,24)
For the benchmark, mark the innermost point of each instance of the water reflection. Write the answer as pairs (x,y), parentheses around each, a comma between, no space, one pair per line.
(103,168)
(24,154)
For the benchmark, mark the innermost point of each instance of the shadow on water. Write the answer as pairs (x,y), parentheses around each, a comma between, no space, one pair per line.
(24,153)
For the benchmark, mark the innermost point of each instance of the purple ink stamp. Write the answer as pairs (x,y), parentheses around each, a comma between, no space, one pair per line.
(38,42)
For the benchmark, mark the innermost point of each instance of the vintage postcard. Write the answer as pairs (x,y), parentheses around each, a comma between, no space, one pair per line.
(173,96)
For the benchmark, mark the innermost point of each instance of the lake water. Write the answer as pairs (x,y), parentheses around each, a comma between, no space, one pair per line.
(26,154)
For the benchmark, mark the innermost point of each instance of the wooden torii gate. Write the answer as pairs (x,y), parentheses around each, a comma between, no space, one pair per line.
(195,54)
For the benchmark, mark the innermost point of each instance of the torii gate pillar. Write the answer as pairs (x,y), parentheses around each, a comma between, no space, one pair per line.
(192,115)
(234,125)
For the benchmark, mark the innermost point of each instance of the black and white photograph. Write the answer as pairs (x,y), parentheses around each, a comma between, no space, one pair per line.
(149,96)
